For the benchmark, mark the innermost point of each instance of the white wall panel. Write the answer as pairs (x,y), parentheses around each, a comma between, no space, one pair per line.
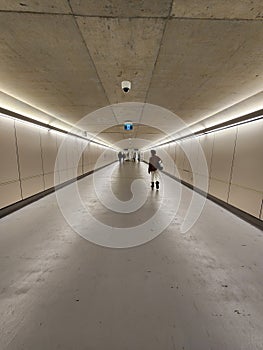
(223,153)
(245,199)
(193,155)
(172,150)
(37,152)
(232,155)
(248,160)
(102,157)
(218,189)
(170,156)
(90,167)
(179,157)
(92,151)
(95,152)
(65,175)
(202,182)
(9,193)
(80,145)
(57,180)
(187,176)
(221,162)
(86,155)
(92,154)
(28,140)
(187,170)
(76,155)
(70,144)
(206,143)
(62,161)
(8,156)
(49,180)
(88,158)
(72,173)
(32,186)
(49,150)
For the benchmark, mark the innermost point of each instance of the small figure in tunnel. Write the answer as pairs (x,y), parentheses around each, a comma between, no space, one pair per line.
(120,156)
(155,164)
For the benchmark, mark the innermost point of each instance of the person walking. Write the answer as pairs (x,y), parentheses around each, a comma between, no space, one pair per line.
(120,156)
(155,164)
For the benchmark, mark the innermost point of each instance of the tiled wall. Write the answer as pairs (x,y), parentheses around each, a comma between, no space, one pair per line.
(28,155)
(234,158)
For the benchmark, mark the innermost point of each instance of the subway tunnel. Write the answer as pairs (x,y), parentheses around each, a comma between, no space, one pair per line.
(131,186)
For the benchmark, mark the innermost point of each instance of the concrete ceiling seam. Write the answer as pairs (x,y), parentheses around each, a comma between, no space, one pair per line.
(94,65)
(156,58)
(259,19)
(157,55)
(85,44)
(202,9)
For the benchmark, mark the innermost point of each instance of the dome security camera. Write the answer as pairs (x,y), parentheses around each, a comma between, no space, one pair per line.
(126,86)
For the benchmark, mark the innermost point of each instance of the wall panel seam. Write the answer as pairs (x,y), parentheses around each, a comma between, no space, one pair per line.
(9,182)
(245,187)
(211,157)
(23,202)
(50,173)
(58,170)
(232,165)
(31,177)
(18,161)
(261,208)
(42,161)
(254,220)
(216,179)
(211,163)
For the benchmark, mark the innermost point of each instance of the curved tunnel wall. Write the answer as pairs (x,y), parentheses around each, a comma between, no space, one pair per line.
(234,159)
(27,157)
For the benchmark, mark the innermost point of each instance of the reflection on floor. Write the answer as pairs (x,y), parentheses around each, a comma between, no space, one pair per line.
(194,291)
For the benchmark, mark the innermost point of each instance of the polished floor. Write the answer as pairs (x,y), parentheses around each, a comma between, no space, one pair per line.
(198,290)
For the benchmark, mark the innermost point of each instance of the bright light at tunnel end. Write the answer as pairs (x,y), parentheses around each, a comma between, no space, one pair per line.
(77,213)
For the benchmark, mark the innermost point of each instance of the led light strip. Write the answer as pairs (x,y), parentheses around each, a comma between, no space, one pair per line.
(226,125)
(35,123)
(234,124)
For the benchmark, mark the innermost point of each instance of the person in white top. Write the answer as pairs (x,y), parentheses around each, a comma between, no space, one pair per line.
(155,164)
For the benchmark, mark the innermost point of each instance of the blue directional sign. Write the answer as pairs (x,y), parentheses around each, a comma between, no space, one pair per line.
(128,126)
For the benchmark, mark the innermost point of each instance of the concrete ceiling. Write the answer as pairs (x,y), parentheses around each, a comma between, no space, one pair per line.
(62,60)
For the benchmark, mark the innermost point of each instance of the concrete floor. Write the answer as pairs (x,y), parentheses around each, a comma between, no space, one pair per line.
(195,291)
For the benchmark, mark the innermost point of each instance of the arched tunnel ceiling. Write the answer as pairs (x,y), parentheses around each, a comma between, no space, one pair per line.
(64,59)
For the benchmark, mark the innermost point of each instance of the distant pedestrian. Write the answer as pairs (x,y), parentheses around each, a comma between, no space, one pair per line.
(155,164)
(120,156)
(139,157)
